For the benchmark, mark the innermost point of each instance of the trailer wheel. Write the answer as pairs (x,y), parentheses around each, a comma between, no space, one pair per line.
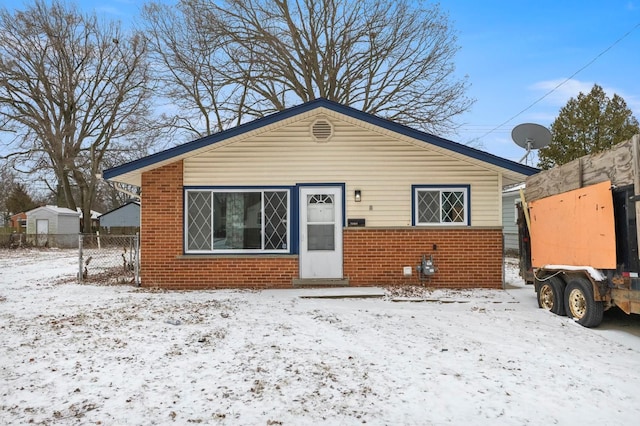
(551,295)
(580,304)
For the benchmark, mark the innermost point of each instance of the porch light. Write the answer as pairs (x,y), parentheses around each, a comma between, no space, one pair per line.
(357,195)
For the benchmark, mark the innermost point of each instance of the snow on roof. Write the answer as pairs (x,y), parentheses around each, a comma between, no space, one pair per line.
(94,214)
(54,209)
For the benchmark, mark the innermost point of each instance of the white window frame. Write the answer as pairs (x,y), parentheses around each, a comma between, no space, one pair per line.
(453,188)
(214,191)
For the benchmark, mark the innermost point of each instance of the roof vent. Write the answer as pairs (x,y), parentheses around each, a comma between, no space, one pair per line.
(322,130)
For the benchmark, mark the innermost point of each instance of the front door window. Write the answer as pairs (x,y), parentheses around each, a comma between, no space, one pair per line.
(321,222)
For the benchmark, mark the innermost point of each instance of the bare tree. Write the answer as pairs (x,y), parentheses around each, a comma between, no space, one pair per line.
(391,58)
(8,179)
(70,87)
(190,65)
(114,194)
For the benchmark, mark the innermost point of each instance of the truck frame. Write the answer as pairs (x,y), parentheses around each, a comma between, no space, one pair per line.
(579,233)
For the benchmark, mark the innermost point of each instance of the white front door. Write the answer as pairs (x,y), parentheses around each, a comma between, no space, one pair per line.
(320,232)
(42,229)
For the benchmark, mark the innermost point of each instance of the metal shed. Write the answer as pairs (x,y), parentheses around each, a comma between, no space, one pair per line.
(51,226)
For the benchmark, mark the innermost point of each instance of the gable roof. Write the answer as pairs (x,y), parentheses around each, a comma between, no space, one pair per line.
(181,151)
(60,211)
(137,203)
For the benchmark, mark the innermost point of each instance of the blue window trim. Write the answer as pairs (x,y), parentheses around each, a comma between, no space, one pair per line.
(466,187)
(240,188)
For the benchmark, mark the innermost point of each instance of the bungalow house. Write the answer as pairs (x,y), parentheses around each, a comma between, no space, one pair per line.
(320,194)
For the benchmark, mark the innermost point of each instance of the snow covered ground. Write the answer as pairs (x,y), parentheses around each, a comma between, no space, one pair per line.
(87,354)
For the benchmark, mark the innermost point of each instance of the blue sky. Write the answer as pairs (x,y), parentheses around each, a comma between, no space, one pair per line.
(515,52)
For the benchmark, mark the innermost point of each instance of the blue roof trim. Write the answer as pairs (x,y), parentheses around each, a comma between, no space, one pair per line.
(300,109)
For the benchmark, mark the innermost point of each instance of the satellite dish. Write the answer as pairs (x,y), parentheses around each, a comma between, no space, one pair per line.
(530,136)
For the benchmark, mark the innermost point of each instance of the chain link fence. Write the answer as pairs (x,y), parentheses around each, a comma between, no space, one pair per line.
(109,259)
(22,240)
(12,240)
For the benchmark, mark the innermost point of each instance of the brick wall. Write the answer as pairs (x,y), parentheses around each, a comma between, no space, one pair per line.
(161,246)
(465,258)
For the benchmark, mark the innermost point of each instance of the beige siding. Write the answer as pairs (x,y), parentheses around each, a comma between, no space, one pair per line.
(382,166)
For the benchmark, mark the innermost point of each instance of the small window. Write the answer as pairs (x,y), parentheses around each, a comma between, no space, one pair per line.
(441,206)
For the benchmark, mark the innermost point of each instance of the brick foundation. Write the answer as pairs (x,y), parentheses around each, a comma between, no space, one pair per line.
(465,257)
(162,263)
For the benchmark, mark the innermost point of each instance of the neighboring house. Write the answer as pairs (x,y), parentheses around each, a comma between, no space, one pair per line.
(18,222)
(510,201)
(53,226)
(320,194)
(124,219)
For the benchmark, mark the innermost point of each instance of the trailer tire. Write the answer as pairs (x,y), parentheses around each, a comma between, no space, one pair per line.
(551,295)
(580,304)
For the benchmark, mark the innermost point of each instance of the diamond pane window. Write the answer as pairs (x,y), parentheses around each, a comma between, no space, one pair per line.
(199,220)
(428,206)
(227,221)
(441,206)
(452,206)
(275,220)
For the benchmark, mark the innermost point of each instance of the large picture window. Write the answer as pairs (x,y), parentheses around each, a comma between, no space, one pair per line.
(441,206)
(232,221)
